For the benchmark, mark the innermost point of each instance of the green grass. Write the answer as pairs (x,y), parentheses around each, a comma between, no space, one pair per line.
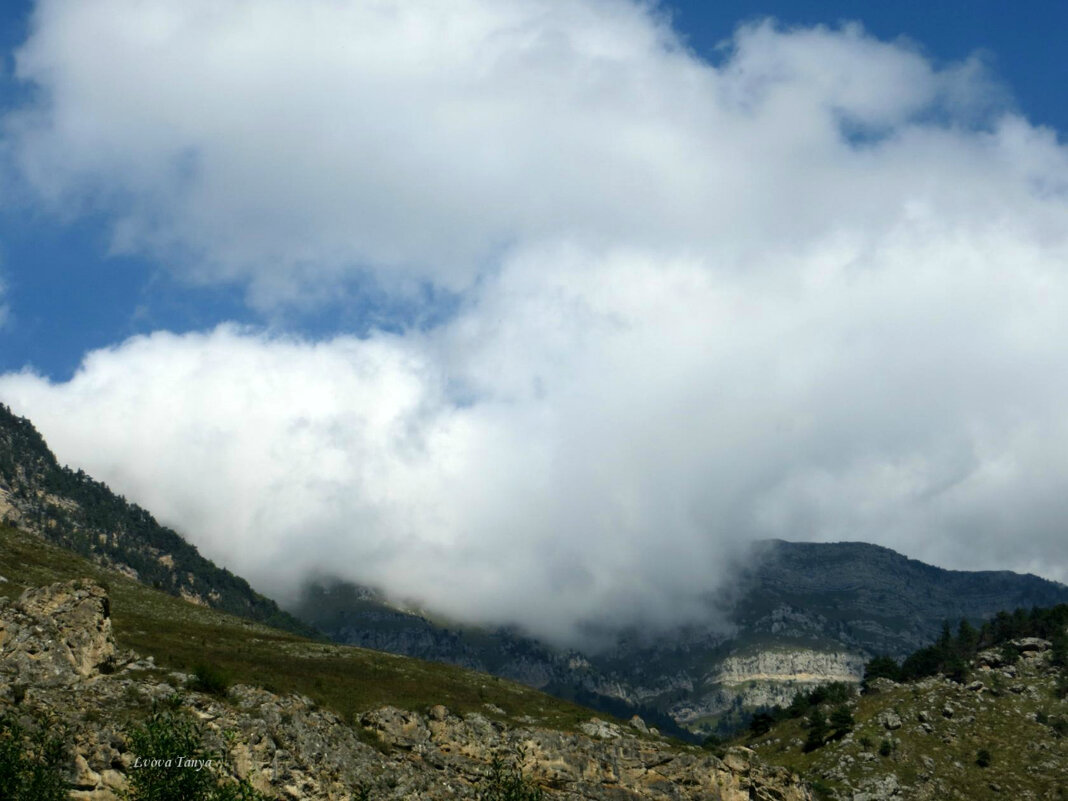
(348,680)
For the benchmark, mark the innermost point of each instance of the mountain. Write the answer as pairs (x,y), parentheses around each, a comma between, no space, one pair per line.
(71,509)
(797,614)
(115,673)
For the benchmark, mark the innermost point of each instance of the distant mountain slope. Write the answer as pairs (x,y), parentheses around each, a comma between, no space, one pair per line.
(71,509)
(798,614)
(873,598)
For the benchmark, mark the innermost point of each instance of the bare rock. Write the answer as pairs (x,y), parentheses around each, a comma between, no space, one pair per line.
(58,634)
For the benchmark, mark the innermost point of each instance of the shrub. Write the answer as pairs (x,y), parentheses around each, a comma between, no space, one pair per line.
(817,731)
(886,748)
(507,783)
(842,721)
(30,763)
(1060,690)
(982,758)
(1009,653)
(881,667)
(1059,726)
(1059,649)
(160,745)
(761,724)
(210,679)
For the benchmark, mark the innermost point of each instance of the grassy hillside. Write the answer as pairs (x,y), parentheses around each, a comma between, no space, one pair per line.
(181,635)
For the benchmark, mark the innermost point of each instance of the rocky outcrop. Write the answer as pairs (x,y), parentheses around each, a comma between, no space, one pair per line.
(57,635)
(57,644)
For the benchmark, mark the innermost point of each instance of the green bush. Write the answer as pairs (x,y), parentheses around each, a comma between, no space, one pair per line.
(841,721)
(30,763)
(210,679)
(1059,726)
(818,731)
(1059,650)
(982,758)
(1060,690)
(507,783)
(761,724)
(886,748)
(881,667)
(171,763)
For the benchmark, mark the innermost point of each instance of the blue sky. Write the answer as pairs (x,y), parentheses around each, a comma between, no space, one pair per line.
(69,296)
(493,300)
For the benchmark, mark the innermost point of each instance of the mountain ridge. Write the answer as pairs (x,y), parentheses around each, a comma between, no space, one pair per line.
(71,509)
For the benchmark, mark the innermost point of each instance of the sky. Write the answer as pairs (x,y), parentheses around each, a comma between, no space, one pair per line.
(488,302)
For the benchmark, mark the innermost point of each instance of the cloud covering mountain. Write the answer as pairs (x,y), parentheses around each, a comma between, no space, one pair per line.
(813,290)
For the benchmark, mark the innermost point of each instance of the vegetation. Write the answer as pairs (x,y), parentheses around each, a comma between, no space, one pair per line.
(939,737)
(811,704)
(181,636)
(210,679)
(171,763)
(950,655)
(841,721)
(506,781)
(30,763)
(818,730)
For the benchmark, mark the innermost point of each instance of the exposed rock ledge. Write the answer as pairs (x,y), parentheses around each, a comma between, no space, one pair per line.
(800,665)
(56,640)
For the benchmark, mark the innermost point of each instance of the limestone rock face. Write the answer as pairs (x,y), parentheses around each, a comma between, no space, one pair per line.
(58,634)
(55,639)
(798,665)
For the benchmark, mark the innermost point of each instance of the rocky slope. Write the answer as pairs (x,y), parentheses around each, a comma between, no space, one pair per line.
(997,734)
(59,662)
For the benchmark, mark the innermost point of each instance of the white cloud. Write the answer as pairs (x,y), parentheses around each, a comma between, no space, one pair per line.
(290,144)
(801,293)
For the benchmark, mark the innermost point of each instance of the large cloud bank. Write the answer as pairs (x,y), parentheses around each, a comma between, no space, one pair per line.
(813,291)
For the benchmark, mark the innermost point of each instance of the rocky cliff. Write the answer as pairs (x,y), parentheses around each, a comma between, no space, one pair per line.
(59,661)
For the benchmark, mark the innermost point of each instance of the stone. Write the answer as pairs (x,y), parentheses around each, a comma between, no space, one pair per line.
(438,712)
(600,729)
(1031,645)
(890,719)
